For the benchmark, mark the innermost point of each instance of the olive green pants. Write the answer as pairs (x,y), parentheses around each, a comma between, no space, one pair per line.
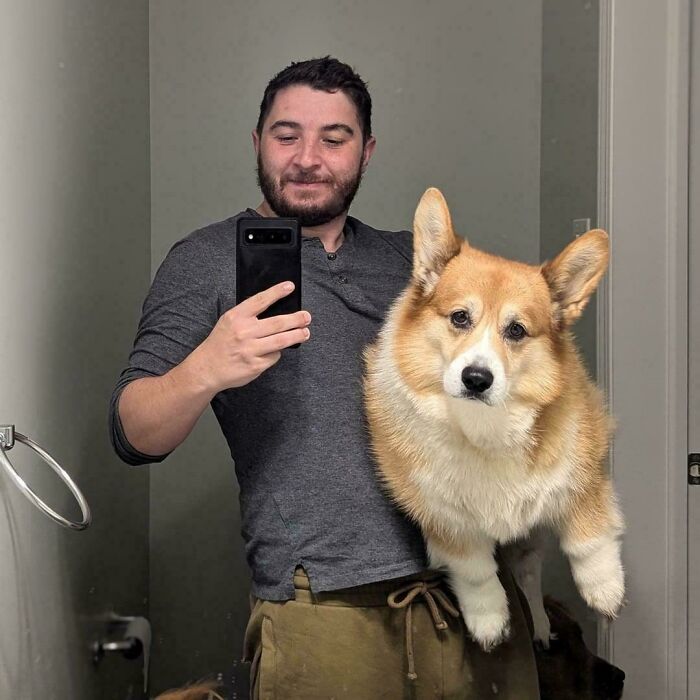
(394,640)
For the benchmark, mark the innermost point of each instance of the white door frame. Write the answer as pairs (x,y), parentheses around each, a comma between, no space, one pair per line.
(643,312)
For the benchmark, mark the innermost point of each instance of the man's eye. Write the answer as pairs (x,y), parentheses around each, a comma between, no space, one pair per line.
(334,142)
(516,331)
(460,319)
(285,139)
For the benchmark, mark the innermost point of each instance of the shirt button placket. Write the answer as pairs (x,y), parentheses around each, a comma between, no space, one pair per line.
(332,257)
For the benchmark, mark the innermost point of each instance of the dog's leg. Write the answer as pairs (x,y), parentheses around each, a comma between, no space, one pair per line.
(524,558)
(590,539)
(473,576)
(597,568)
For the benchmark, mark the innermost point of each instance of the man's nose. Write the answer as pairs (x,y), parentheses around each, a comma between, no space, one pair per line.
(307,155)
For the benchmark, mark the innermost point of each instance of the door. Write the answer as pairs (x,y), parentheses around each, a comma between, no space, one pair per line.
(694,364)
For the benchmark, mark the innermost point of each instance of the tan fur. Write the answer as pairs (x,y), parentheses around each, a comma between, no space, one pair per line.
(200,691)
(538,454)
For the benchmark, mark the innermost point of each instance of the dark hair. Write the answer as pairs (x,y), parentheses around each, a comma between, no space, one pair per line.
(327,74)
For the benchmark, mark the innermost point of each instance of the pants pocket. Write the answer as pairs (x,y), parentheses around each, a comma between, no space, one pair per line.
(265,680)
(259,650)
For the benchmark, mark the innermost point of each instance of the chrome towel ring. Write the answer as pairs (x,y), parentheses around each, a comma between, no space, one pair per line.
(8,435)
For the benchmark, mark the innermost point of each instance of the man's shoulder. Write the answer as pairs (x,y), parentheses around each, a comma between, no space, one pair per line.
(217,234)
(205,253)
(400,241)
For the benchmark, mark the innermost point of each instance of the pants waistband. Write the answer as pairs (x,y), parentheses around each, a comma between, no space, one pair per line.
(369,594)
(398,593)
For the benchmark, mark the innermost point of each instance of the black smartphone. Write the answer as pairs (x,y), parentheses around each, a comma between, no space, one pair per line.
(268,251)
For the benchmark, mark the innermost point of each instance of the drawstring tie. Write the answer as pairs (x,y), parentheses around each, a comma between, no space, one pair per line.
(433,595)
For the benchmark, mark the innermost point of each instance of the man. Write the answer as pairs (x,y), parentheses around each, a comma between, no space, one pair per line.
(336,568)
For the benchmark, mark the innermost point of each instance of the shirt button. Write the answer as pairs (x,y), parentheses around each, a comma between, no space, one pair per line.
(332,256)
(343,279)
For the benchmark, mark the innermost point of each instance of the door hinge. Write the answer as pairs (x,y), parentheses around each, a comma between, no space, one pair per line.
(694,468)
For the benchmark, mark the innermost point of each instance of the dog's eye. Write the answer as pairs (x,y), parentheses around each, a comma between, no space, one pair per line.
(516,331)
(460,319)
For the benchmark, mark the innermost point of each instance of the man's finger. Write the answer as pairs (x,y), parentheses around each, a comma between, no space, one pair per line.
(283,322)
(275,343)
(255,305)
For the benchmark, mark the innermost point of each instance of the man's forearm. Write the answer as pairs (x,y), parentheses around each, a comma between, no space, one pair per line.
(158,413)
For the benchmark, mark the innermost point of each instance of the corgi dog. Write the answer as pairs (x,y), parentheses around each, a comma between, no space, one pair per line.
(485,426)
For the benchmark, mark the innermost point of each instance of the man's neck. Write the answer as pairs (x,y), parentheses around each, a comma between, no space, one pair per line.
(330,234)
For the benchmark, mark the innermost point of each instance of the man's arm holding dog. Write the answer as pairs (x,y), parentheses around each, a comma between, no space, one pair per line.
(158,413)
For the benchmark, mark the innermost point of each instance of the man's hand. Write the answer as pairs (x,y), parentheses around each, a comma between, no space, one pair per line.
(241,347)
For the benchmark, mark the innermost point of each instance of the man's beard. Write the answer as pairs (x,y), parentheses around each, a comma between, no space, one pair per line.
(310,213)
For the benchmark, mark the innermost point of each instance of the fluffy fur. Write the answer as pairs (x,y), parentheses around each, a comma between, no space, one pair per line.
(482,434)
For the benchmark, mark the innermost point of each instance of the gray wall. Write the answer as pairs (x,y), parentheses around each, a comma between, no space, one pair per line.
(456,105)
(569,138)
(568,191)
(74,228)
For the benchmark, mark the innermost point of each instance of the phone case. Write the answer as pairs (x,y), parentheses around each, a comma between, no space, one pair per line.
(262,265)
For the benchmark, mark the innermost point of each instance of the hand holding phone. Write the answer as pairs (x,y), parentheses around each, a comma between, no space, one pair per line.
(243,343)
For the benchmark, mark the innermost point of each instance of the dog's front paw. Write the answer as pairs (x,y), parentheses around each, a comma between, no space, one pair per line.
(606,596)
(604,592)
(488,629)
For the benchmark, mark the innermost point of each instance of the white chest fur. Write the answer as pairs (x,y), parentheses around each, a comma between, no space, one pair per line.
(465,490)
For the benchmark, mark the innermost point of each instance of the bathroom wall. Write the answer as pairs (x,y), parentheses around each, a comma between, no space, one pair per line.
(74,266)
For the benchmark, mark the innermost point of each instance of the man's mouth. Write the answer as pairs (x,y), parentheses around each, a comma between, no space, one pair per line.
(306,184)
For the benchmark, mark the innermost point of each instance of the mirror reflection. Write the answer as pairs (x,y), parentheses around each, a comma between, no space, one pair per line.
(139,136)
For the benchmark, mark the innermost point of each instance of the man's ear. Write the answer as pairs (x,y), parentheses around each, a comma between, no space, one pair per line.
(256,141)
(575,273)
(434,241)
(367,152)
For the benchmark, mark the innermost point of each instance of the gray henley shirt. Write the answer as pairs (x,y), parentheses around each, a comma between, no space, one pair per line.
(309,493)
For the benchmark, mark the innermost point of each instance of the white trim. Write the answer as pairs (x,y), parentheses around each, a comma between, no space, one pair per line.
(645,208)
(678,143)
(604,217)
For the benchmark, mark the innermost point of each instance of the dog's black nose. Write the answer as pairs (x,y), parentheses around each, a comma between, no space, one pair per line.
(476,379)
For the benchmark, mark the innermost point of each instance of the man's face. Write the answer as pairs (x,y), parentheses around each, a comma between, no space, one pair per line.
(310,154)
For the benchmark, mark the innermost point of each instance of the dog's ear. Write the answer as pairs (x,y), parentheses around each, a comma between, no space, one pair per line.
(434,241)
(575,273)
